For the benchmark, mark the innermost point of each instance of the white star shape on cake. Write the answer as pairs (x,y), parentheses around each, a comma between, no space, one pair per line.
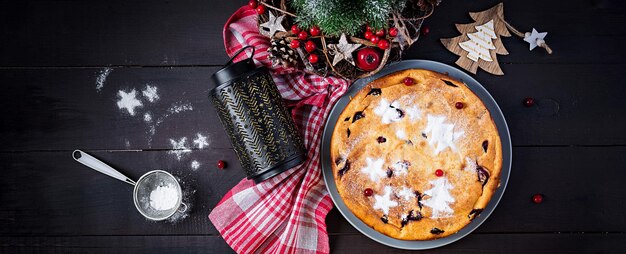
(274,24)
(343,50)
(388,111)
(441,135)
(128,101)
(384,202)
(374,169)
(535,38)
(406,193)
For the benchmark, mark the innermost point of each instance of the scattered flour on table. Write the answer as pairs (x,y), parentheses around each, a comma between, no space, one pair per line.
(128,101)
(147,117)
(179,107)
(150,92)
(164,197)
(195,165)
(175,108)
(201,141)
(179,147)
(188,199)
(102,77)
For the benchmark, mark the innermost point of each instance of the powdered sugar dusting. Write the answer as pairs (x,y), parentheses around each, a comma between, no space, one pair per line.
(102,77)
(470,165)
(401,134)
(179,147)
(406,193)
(195,165)
(388,111)
(439,198)
(128,101)
(414,113)
(374,169)
(147,117)
(150,93)
(201,141)
(384,202)
(401,168)
(441,135)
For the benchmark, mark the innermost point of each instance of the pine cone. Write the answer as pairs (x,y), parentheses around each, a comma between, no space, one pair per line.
(281,54)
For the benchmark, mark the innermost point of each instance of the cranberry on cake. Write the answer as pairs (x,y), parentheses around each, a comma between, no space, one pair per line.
(416,155)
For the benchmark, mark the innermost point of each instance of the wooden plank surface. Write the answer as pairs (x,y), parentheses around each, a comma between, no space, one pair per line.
(569,147)
(37,187)
(72,114)
(188,32)
(345,243)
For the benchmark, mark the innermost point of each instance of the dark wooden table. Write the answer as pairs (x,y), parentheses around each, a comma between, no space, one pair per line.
(571,146)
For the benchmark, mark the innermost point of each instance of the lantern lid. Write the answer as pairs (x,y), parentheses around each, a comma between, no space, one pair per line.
(232,70)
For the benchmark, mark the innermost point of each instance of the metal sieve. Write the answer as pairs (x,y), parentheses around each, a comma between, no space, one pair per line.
(142,188)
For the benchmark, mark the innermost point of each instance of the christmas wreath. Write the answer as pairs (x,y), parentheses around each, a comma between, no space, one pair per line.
(348,38)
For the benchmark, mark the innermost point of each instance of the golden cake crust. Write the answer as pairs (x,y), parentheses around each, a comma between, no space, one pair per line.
(392,138)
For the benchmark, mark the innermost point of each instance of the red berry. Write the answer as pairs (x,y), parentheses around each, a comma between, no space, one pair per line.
(393,32)
(425,30)
(537,198)
(294,44)
(380,33)
(313,58)
(309,46)
(368,192)
(369,35)
(408,81)
(221,164)
(529,102)
(303,35)
(383,44)
(253,4)
(459,105)
(260,9)
(439,172)
(374,39)
(315,31)
(295,29)
(368,28)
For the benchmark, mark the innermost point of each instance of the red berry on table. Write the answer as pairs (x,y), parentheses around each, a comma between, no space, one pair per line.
(439,172)
(221,164)
(313,58)
(368,192)
(380,33)
(393,32)
(529,102)
(303,35)
(253,4)
(374,39)
(368,28)
(425,30)
(408,81)
(260,9)
(383,44)
(294,44)
(295,29)
(309,46)
(368,35)
(459,105)
(315,31)
(368,59)
(537,198)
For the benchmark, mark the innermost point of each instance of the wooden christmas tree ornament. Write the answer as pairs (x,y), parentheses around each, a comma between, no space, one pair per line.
(479,42)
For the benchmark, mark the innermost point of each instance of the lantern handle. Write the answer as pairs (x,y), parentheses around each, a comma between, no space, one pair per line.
(239,52)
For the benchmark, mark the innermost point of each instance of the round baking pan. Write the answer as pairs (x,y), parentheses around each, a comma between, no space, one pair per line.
(496,114)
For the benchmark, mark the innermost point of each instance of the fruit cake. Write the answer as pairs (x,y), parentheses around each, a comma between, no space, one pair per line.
(416,155)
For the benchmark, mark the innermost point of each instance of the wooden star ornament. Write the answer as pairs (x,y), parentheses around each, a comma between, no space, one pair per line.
(274,24)
(343,50)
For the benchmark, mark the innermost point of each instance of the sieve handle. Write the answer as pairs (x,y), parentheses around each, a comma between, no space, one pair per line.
(100,166)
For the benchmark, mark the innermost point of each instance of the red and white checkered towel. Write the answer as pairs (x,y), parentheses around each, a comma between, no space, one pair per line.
(285,214)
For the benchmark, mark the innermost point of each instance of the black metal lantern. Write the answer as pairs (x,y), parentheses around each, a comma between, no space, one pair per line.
(259,125)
